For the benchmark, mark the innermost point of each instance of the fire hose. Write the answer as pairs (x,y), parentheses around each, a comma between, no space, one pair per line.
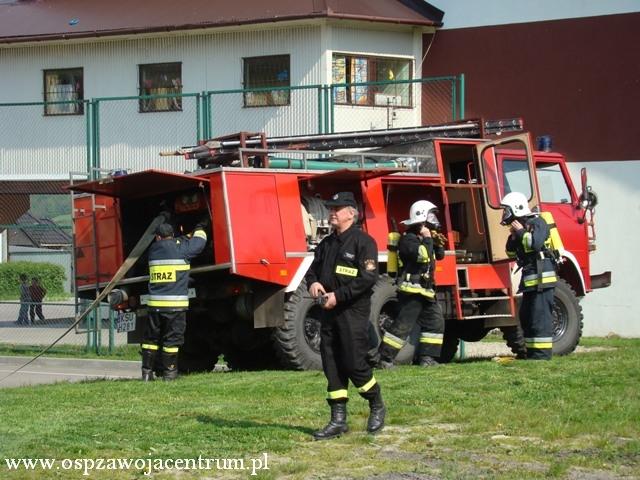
(138,250)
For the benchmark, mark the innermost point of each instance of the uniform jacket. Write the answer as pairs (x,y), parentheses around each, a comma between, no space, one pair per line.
(418,257)
(527,247)
(169,264)
(346,264)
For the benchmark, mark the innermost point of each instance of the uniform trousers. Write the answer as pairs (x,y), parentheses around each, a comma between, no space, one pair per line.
(536,318)
(344,344)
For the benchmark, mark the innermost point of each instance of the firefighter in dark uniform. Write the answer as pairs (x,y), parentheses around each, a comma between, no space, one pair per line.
(341,278)
(417,250)
(527,245)
(169,264)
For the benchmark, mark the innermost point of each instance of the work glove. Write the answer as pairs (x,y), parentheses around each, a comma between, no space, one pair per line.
(439,240)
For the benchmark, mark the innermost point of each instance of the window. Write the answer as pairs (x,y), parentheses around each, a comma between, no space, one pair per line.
(357,69)
(265,72)
(63,85)
(517,177)
(553,188)
(161,79)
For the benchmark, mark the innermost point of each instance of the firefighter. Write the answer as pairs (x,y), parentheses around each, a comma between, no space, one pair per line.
(341,279)
(417,250)
(526,244)
(169,263)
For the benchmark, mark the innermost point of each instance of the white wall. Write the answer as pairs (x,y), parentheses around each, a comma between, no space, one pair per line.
(614,309)
(473,13)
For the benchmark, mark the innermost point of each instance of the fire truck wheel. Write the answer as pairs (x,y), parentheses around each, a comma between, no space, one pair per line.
(297,342)
(384,306)
(567,319)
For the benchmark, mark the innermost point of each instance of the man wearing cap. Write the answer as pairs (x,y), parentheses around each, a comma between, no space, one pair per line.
(169,264)
(418,249)
(341,278)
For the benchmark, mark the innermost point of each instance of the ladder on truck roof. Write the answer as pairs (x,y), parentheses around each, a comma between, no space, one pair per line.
(222,151)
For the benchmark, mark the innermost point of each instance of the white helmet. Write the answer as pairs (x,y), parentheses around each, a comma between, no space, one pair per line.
(515,205)
(422,211)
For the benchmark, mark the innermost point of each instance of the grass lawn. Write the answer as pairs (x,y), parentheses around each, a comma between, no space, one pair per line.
(122,352)
(575,417)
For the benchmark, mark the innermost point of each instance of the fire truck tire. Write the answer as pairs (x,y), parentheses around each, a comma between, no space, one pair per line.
(567,319)
(297,342)
(384,308)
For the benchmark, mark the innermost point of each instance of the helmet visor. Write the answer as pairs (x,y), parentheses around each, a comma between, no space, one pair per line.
(507,216)
(432,219)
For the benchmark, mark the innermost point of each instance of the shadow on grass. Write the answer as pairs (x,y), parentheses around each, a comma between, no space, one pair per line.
(223,422)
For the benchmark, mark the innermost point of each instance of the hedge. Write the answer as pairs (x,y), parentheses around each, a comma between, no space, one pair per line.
(51,276)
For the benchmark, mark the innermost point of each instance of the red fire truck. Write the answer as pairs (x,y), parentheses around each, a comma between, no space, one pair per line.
(264,196)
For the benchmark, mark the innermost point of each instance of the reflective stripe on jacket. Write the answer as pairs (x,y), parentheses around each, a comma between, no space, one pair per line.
(527,246)
(417,264)
(169,264)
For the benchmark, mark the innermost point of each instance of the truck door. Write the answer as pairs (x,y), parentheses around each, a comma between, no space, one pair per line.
(500,176)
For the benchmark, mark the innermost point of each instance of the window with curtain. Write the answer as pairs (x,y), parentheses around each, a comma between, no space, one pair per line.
(266,72)
(63,91)
(161,79)
(347,69)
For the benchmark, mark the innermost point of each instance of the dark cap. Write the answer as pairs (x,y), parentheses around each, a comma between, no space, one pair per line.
(342,199)
(165,230)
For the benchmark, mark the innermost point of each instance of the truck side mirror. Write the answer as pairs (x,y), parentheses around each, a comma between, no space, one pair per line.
(588,198)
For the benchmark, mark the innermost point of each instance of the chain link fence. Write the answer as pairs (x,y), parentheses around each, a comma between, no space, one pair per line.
(111,133)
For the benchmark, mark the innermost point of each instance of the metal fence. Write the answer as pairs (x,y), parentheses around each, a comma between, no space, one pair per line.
(130,131)
(36,325)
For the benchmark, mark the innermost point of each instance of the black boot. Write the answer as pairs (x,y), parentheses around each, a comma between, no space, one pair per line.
(386,355)
(337,425)
(148,359)
(428,361)
(376,414)
(170,366)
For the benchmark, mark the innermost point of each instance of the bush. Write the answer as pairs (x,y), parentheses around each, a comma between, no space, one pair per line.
(51,276)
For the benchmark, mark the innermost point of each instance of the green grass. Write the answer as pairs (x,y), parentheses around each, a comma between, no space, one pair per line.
(574,417)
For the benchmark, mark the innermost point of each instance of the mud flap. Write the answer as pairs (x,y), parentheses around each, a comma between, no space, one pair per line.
(268,307)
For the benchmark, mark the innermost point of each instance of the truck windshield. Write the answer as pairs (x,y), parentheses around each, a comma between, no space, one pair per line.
(553,187)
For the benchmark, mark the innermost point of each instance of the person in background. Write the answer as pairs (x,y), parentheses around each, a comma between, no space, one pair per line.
(169,265)
(25,300)
(37,293)
(341,279)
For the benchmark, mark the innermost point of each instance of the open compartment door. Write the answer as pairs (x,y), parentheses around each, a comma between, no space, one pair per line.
(502,170)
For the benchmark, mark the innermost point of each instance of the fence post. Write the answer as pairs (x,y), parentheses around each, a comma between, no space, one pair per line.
(320,90)
(89,133)
(112,335)
(198,114)
(461,96)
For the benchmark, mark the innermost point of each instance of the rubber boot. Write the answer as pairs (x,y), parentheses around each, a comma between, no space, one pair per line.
(337,425)
(170,366)
(148,359)
(377,412)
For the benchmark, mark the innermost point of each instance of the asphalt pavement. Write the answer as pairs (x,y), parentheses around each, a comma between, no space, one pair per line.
(52,370)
